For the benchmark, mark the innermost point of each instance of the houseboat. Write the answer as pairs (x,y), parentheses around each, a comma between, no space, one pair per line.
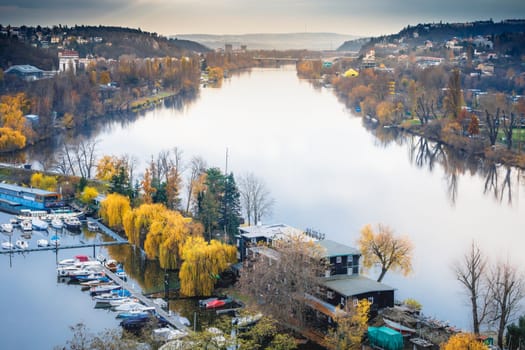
(13,198)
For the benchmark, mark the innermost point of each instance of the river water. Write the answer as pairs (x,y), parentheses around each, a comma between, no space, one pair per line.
(329,171)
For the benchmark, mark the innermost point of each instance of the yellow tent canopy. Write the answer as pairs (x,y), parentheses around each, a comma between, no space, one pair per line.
(351,73)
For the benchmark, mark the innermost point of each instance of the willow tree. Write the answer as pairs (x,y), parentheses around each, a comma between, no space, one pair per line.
(44,182)
(203,262)
(114,209)
(167,235)
(137,223)
(383,249)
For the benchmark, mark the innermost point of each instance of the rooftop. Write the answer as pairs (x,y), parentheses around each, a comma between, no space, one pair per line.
(275,231)
(35,191)
(24,68)
(354,285)
(337,249)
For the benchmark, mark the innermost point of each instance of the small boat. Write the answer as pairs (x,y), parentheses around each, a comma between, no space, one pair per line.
(405,331)
(38,224)
(204,302)
(246,321)
(112,265)
(122,274)
(167,333)
(54,241)
(72,223)
(42,242)
(103,289)
(7,228)
(57,224)
(115,303)
(128,306)
(92,226)
(21,244)
(96,282)
(7,245)
(146,311)
(107,298)
(26,225)
(214,304)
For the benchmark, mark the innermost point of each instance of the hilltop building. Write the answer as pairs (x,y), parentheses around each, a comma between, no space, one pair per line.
(68,60)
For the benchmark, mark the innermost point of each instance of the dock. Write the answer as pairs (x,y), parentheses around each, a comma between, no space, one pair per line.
(69,246)
(172,318)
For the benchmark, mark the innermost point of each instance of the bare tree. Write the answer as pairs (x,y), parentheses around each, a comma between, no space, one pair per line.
(471,273)
(507,289)
(255,198)
(492,126)
(197,167)
(281,277)
(86,157)
(508,125)
(425,109)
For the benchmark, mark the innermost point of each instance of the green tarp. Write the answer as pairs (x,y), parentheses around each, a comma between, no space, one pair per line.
(385,338)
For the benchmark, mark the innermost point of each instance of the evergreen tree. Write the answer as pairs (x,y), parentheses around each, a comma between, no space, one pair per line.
(209,200)
(120,183)
(231,207)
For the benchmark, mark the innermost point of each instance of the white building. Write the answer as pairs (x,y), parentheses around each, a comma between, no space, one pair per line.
(68,59)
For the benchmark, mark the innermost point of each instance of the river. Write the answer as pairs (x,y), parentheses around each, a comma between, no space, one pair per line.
(329,171)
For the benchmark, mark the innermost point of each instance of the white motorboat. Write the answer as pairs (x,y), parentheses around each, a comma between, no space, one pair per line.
(7,245)
(92,226)
(57,223)
(38,224)
(72,223)
(42,242)
(21,244)
(26,225)
(7,228)
(132,305)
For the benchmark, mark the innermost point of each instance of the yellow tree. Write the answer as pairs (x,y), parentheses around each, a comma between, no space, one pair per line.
(463,341)
(107,167)
(88,195)
(352,323)
(12,109)
(114,209)
(104,78)
(138,221)
(203,262)
(48,183)
(384,249)
(11,140)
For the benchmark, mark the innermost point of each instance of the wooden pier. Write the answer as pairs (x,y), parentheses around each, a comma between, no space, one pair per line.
(172,317)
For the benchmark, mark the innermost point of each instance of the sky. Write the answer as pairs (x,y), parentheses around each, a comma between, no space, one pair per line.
(170,17)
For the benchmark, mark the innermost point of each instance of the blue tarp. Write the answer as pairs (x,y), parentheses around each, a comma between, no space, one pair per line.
(385,338)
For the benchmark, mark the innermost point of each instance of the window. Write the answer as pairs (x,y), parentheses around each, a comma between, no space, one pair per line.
(355,301)
(371,300)
(338,259)
(330,294)
(343,301)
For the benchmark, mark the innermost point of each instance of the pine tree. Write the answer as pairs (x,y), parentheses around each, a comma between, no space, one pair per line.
(231,207)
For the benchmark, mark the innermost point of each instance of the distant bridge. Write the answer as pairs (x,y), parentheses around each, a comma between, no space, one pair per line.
(277,59)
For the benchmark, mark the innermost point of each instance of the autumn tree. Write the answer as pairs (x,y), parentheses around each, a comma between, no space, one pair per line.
(281,276)
(114,209)
(453,101)
(202,263)
(351,325)
(148,190)
(88,194)
(383,249)
(506,284)
(137,223)
(44,182)
(471,272)
(197,168)
(255,198)
(463,341)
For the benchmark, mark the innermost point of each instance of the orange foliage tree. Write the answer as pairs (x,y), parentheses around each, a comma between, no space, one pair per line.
(463,341)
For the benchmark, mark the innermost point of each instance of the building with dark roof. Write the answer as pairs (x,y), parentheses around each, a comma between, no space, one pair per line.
(25,71)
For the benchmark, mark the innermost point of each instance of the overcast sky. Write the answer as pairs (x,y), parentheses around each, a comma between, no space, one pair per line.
(167,17)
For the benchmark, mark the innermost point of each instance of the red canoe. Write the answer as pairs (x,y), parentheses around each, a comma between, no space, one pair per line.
(215,304)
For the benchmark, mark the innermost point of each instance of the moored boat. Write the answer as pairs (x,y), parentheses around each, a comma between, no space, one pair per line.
(7,228)
(57,223)
(26,225)
(21,244)
(42,242)
(92,226)
(136,313)
(103,289)
(72,223)
(7,245)
(38,224)
(54,241)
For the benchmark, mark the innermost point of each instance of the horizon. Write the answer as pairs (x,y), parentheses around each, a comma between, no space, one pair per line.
(244,17)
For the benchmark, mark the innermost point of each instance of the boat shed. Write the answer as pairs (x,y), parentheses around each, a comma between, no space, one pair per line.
(25,71)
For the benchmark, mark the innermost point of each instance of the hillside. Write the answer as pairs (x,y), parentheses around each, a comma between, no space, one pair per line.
(441,32)
(39,46)
(268,41)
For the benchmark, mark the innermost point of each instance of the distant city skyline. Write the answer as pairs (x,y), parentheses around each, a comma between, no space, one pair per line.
(170,17)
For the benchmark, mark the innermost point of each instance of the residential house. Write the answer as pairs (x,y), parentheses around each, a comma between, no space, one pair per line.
(25,71)
(341,283)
